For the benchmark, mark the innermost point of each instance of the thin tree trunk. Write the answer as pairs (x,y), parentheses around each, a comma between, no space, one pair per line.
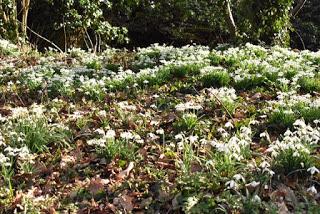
(298,7)
(14,21)
(230,20)
(3,15)
(25,10)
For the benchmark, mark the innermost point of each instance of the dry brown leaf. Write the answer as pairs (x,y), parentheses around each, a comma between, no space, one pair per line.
(125,173)
(97,185)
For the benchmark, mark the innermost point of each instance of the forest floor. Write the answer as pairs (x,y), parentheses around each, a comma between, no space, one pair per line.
(160,130)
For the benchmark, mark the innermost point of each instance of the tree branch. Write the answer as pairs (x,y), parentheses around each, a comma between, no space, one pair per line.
(230,20)
(45,39)
(298,7)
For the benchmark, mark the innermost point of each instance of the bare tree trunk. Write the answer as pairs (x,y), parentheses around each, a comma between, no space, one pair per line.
(230,20)
(25,10)
(298,7)
(3,15)
(14,21)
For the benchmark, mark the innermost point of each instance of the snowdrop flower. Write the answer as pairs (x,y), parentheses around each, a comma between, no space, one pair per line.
(263,134)
(100,131)
(135,85)
(300,123)
(239,177)
(154,123)
(228,125)
(253,184)
(152,136)
(187,106)
(125,106)
(160,131)
(153,106)
(102,113)
(193,139)
(221,130)
(37,109)
(254,122)
(179,137)
(110,134)
(256,199)
(313,170)
(126,135)
(312,190)
(231,184)
(2,143)
(4,160)
(269,171)
(316,121)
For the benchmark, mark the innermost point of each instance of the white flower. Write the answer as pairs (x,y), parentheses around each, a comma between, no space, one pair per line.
(126,135)
(228,125)
(316,121)
(102,113)
(231,184)
(193,139)
(154,123)
(239,177)
(263,134)
(269,171)
(4,160)
(313,170)
(188,106)
(154,106)
(152,136)
(300,123)
(312,190)
(110,134)
(253,184)
(160,131)
(256,199)
(179,137)
(2,143)
(100,131)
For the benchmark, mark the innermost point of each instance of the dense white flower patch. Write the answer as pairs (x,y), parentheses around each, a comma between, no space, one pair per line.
(299,141)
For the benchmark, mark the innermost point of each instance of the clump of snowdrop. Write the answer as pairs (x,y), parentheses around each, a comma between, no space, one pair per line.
(104,138)
(188,106)
(4,160)
(293,151)
(124,105)
(235,182)
(7,48)
(236,146)
(223,93)
(32,128)
(223,96)
(150,56)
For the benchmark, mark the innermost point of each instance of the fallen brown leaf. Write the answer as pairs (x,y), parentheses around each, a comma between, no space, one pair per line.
(125,173)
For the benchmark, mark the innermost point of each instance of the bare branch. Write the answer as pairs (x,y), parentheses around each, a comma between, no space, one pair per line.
(230,19)
(298,7)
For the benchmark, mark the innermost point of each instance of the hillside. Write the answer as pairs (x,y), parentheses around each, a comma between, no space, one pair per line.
(160,130)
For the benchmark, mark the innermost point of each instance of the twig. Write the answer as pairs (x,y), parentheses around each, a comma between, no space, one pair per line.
(82,135)
(221,103)
(298,7)
(304,47)
(225,108)
(45,39)
(89,38)
(295,171)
